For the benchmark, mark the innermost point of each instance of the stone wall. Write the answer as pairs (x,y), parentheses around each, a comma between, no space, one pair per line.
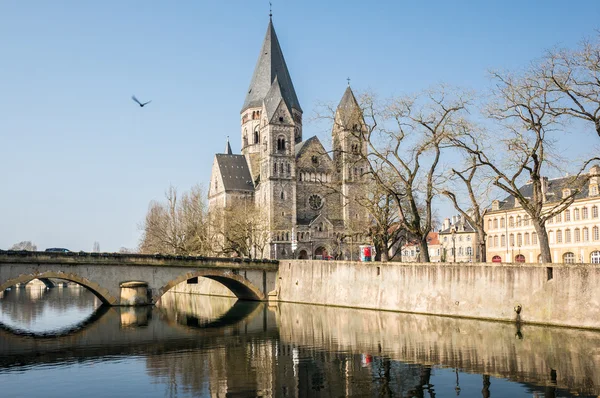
(566,295)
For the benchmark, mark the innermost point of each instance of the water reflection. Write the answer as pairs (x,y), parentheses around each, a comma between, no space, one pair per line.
(198,346)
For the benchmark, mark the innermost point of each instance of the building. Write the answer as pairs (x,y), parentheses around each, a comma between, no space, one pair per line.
(458,241)
(307,198)
(411,250)
(573,234)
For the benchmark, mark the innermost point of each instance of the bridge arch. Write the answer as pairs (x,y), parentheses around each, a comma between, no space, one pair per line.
(239,286)
(102,293)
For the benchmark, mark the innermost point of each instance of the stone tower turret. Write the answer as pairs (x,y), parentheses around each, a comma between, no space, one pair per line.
(349,147)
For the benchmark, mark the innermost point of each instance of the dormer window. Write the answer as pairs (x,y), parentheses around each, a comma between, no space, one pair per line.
(593,190)
(566,193)
(496,205)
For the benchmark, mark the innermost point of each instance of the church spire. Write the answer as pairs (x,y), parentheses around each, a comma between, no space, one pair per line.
(270,65)
(228,150)
(348,110)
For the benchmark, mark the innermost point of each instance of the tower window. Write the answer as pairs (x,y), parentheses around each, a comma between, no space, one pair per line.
(315,160)
(289,168)
(280,118)
(281,144)
(256,136)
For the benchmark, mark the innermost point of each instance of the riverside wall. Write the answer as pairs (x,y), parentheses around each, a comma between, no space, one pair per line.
(551,294)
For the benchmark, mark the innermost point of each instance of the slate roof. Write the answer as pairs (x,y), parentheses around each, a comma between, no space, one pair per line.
(273,98)
(468,228)
(270,65)
(228,150)
(553,192)
(304,144)
(235,173)
(348,109)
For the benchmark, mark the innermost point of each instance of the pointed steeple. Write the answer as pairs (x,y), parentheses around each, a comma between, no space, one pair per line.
(270,65)
(228,150)
(348,110)
(273,98)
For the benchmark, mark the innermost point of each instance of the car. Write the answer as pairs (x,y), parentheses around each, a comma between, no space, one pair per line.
(57,250)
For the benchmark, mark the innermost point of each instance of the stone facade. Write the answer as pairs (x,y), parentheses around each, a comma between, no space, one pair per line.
(574,234)
(307,198)
(458,240)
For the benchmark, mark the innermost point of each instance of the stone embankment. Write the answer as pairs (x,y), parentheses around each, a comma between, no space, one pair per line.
(551,294)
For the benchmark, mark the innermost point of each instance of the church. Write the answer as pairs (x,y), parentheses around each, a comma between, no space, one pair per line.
(310,201)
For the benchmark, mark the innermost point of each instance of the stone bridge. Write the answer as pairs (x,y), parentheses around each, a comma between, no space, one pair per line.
(136,279)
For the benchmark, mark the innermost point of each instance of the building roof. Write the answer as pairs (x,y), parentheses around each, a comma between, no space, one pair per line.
(299,148)
(432,239)
(273,98)
(348,109)
(461,226)
(553,192)
(228,150)
(270,65)
(234,172)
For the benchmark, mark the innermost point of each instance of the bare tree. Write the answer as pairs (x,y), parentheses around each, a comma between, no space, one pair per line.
(473,209)
(241,230)
(405,141)
(177,226)
(24,245)
(574,76)
(521,149)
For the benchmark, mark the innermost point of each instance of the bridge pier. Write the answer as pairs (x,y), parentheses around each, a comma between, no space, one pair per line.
(135,293)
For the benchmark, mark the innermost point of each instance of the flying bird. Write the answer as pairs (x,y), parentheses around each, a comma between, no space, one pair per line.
(140,103)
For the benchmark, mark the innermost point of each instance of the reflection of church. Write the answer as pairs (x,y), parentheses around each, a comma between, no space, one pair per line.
(307,198)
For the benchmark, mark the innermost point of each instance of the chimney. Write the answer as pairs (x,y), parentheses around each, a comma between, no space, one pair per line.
(446,224)
(454,220)
(544,188)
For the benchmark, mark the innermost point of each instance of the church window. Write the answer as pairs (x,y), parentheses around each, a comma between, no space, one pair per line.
(315,202)
(281,143)
(282,195)
(275,168)
(314,160)
(280,118)
(256,141)
(289,168)
(287,236)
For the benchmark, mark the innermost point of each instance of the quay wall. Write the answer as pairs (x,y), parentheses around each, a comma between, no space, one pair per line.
(551,294)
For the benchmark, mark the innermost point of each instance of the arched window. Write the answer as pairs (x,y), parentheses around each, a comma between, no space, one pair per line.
(490,223)
(595,257)
(559,238)
(281,144)
(594,211)
(569,258)
(567,215)
(282,195)
(576,235)
(585,213)
(550,236)
(595,234)
(576,214)
(496,259)
(256,141)
(495,223)
(519,258)
(502,222)
(511,221)
(586,234)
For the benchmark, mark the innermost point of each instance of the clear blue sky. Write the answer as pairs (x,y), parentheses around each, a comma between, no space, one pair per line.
(80,162)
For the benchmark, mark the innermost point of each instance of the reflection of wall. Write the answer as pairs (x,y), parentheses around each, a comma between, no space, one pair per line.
(526,355)
(562,295)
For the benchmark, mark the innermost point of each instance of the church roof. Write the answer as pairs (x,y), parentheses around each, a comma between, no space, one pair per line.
(348,109)
(273,98)
(234,172)
(301,145)
(270,65)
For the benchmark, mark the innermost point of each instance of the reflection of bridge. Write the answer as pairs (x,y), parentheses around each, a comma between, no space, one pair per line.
(102,334)
(106,274)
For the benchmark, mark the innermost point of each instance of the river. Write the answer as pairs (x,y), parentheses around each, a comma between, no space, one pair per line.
(61,342)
